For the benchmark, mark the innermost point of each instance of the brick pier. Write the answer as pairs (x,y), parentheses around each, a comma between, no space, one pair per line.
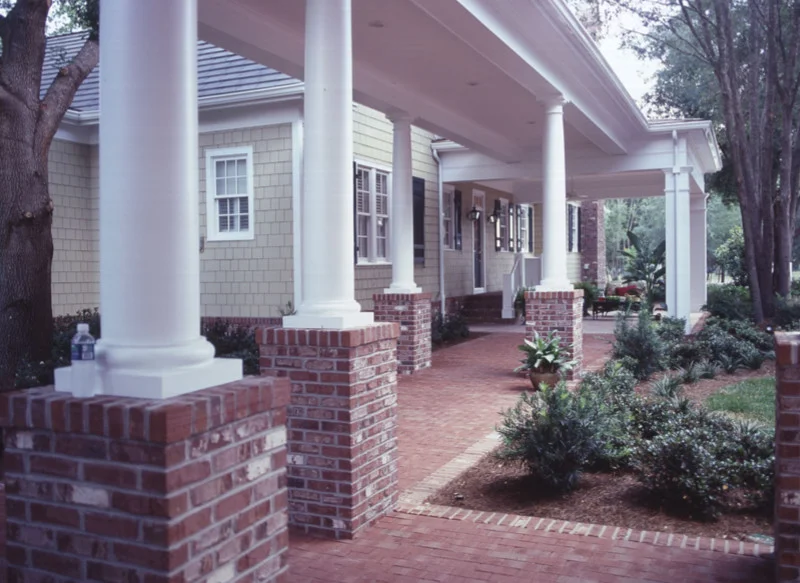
(560,312)
(117,489)
(413,313)
(787,457)
(342,423)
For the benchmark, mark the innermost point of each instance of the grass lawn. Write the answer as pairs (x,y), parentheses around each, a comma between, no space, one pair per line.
(753,399)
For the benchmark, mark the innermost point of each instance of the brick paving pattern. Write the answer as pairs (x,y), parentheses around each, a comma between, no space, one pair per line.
(446,417)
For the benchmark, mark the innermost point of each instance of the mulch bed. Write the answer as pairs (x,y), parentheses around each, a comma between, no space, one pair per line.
(613,499)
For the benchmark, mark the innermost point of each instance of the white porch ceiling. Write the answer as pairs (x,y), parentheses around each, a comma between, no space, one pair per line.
(472,71)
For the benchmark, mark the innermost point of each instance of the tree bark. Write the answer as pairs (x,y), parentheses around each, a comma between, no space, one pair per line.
(27,127)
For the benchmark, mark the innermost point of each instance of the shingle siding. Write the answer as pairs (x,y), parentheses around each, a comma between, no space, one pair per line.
(73,186)
(252,279)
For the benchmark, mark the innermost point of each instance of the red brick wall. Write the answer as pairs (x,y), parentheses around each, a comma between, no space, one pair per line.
(593,242)
(560,312)
(413,313)
(342,424)
(118,489)
(787,457)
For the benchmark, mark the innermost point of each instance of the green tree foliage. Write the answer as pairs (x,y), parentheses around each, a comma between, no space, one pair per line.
(645,262)
(729,257)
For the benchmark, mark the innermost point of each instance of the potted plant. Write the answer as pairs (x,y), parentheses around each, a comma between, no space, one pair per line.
(545,359)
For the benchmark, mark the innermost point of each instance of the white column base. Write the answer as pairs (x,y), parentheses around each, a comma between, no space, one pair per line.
(403,289)
(552,286)
(332,322)
(157,384)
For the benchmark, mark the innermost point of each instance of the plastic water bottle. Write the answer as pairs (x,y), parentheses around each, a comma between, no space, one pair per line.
(83,370)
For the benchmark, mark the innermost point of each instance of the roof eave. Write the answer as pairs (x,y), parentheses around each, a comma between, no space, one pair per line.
(288,92)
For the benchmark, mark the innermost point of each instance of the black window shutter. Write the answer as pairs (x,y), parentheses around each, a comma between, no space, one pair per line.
(457,220)
(355,213)
(580,227)
(419,220)
(498,241)
(530,229)
(570,218)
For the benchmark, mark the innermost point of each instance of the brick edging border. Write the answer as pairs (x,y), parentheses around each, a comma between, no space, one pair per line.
(412,501)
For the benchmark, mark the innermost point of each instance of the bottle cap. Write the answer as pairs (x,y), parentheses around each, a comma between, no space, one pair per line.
(83,328)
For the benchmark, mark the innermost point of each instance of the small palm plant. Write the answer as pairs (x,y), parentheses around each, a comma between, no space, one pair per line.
(545,359)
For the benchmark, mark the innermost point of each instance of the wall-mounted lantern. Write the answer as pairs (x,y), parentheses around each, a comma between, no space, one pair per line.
(474,214)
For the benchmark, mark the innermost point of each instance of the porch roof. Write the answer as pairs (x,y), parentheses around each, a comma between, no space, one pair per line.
(472,71)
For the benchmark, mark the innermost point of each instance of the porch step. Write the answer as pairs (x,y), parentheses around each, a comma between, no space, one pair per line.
(483,308)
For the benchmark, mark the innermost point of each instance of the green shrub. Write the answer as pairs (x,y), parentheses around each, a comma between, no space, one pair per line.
(668,386)
(641,343)
(448,328)
(554,433)
(743,330)
(672,330)
(612,392)
(590,294)
(37,374)
(234,341)
(787,313)
(682,469)
(730,302)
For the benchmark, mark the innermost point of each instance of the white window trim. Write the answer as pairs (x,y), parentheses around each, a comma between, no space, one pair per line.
(479,202)
(449,201)
(524,218)
(212,220)
(372,240)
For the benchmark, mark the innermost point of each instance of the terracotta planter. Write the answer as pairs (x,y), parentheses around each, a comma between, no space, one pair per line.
(549,378)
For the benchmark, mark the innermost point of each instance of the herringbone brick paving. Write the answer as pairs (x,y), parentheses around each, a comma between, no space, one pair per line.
(442,412)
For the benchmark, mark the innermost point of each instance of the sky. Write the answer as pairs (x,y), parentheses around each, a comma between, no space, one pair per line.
(636,75)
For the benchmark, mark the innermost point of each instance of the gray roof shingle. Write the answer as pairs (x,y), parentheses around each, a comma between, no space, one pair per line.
(219,72)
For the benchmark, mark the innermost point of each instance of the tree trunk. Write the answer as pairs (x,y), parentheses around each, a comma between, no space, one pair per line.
(26,250)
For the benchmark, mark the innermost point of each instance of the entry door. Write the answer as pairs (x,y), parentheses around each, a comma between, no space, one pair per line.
(478,244)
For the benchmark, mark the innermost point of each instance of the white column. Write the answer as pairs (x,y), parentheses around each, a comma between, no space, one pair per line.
(149,219)
(678,245)
(328,248)
(699,245)
(402,218)
(554,200)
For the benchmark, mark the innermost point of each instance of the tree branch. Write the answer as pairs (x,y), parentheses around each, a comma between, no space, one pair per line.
(61,92)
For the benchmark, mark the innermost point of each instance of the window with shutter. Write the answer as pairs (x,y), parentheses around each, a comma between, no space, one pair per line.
(523,221)
(502,231)
(229,194)
(530,229)
(419,219)
(448,234)
(512,228)
(572,228)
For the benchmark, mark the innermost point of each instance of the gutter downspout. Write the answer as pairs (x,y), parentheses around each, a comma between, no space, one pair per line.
(440,195)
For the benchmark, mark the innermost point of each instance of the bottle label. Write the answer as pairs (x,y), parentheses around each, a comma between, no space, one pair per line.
(82,352)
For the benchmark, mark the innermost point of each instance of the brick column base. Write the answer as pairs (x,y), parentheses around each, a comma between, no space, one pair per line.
(342,422)
(560,312)
(787,457)
(413,313)
(119,489)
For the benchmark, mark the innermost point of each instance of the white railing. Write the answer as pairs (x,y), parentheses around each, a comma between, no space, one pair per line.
(511,283)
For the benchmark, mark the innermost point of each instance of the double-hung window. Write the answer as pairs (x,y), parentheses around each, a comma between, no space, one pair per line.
(372,194)
(229,194)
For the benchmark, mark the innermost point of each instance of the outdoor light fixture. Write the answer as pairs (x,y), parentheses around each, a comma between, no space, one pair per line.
(474,214)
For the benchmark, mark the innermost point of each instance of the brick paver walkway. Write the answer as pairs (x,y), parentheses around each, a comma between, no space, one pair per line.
(443,412)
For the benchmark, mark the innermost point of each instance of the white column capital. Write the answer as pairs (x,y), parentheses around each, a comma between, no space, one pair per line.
(400,117)
(554,104)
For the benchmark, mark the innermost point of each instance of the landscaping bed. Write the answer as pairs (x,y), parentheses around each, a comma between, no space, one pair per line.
(634,445)
(614,499)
